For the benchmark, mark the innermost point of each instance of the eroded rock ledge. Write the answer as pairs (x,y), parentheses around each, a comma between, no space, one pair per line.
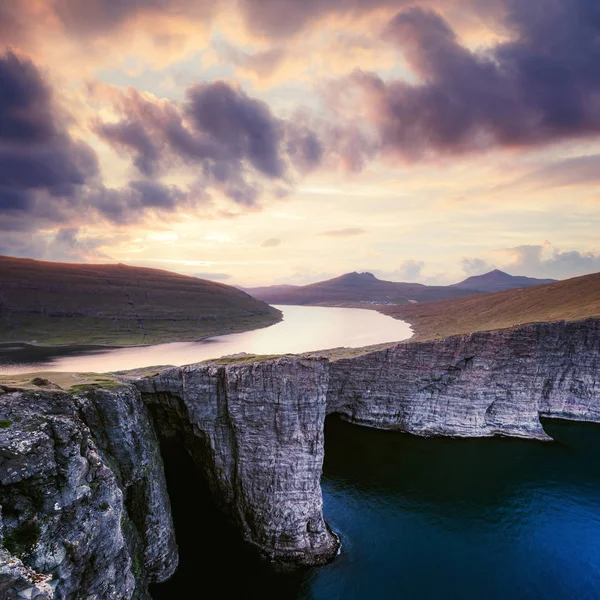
(85,510)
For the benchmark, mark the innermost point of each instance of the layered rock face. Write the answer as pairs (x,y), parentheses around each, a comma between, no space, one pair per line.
(83,497)
(256,430)
(483,384)
(85,512)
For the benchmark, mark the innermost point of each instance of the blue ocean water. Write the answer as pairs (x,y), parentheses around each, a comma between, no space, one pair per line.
(425,518)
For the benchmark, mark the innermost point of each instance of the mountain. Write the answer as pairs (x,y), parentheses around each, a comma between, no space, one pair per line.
(356,287)
(60,303)
(497,281)
(570,300)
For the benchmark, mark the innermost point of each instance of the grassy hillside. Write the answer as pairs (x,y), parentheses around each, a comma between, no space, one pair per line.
(353,288)
(58,303)
(569,300)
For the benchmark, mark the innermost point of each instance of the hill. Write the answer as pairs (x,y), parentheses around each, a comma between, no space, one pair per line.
(60,303)
(569,300)
(498,281)
(356,287)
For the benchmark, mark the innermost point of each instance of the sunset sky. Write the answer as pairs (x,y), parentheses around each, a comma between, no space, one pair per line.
(257,142)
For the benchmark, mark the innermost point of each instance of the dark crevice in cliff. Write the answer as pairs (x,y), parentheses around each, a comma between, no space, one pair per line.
(211,551)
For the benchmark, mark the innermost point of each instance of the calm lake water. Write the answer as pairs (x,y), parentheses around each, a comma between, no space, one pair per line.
(419,519)
(303,329)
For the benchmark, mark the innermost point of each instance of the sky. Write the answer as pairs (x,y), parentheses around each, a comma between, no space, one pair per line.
(260,142)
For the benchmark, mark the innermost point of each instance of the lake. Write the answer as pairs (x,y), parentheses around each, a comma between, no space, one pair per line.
(419,519)
(303,329)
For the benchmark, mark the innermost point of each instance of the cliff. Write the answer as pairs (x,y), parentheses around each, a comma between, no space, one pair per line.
(84,503)
(83,496)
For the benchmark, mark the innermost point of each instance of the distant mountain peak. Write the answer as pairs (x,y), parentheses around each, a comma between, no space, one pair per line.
(495,274)
(355,275)
(497,280)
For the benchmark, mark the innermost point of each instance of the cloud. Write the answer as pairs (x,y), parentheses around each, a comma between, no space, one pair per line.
(96,16)
(541,86)
(68,244)
(283,18)
(271,243)
(579,170)
(410,270)
(42,168)
(342,233)
(546,261)
(261,63)
(475,266)
(132,137)
(233,142)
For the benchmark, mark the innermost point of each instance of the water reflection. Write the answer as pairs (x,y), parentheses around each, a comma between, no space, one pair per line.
(304,328)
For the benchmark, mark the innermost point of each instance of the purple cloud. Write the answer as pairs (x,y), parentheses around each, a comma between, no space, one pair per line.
(540,87)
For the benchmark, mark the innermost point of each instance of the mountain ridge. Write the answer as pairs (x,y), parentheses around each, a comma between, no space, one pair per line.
(365,287)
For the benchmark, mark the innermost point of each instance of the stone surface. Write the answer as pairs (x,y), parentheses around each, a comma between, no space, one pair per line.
(82,493)
(483,384)
(85,511)
(257,432)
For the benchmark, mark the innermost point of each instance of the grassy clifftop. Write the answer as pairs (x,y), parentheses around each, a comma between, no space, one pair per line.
(570,300)
(59,303)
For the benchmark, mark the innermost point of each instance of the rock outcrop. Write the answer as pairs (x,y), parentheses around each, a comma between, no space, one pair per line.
(83,496)
(85,512)
(482,384)
(256,430)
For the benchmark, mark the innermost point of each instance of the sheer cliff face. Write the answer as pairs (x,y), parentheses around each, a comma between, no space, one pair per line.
(257,432)
(83,494)
(491,383)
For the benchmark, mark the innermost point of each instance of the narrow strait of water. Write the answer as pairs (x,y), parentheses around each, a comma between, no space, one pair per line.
(420,519)
(303,329)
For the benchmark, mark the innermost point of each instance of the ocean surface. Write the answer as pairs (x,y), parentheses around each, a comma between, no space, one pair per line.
(303,329)
(419,519)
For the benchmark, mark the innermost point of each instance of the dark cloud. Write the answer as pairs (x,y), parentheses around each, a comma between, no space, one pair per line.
(271,243)
(242,126)
(233,141)
(540,87)
(303,147)
(132,137)
(130,204)
(67,244)
(41,167)
(341,233)
(49,180)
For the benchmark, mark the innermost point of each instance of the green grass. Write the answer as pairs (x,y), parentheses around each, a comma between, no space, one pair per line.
(5,423)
